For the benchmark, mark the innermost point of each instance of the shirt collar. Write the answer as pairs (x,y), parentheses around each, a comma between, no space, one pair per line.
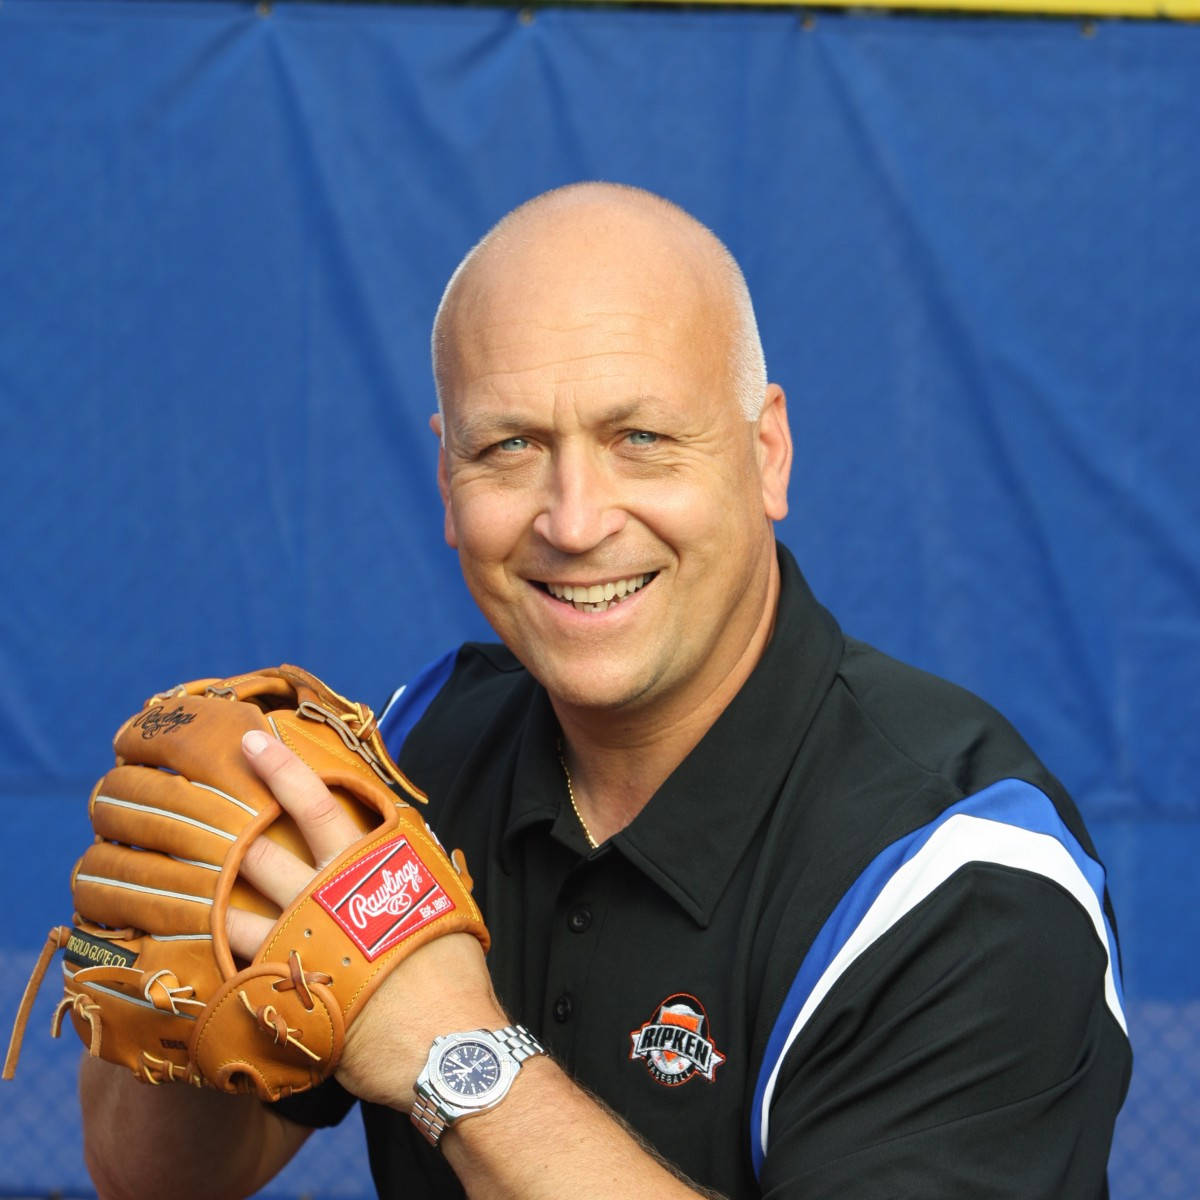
(691,835)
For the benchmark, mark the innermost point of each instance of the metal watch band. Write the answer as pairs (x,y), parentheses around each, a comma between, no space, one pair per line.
(519,1042)
(432,1121)
(426,1117)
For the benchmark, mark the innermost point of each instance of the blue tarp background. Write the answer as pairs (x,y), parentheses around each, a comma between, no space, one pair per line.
(974,250)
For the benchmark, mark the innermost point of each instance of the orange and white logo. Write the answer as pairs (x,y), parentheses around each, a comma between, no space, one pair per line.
(675,1043)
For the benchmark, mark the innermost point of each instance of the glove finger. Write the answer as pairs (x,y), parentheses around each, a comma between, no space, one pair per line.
(120,885)
(196,736)
(325,825)
(154,809)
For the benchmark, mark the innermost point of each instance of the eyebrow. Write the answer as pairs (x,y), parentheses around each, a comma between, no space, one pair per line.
(488,427)
(473,428)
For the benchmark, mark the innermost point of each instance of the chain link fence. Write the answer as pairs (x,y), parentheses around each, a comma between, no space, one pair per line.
(1156,1153)
(41,1150)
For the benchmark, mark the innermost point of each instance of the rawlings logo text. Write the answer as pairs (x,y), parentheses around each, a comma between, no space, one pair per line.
(394,895)
(155,720)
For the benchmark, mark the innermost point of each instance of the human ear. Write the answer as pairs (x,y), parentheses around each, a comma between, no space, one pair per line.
(443,481)
(774,439)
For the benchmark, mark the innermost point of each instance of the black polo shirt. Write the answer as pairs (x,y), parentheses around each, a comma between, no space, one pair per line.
(857,945)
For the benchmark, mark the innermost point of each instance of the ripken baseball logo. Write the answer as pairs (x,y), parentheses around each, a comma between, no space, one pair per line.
(675,1043)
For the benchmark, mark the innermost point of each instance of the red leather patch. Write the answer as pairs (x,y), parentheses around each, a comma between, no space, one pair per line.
(384,897)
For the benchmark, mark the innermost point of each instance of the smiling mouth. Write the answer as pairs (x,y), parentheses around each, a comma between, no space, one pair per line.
(597,597)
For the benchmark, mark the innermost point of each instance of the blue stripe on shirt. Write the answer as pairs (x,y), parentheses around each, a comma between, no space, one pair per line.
(411,700)
(1011,803)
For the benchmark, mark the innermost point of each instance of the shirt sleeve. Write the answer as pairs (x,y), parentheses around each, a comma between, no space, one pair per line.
(972,1050)
(322,1106)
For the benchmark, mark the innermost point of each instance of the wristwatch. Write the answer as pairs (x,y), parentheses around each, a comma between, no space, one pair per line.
(468,1073)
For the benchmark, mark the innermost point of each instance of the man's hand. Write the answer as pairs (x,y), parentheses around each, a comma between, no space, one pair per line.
(440,988)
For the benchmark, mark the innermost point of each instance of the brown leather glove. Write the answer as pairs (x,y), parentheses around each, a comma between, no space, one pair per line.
(150,980)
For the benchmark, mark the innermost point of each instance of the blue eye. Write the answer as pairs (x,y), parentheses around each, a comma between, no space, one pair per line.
(512,444)
(643,437)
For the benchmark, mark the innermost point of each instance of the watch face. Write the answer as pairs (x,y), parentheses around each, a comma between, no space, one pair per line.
(469,1069)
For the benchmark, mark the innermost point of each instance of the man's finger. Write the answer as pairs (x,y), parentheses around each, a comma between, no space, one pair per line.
(246,932)
(274,871)
(323,823)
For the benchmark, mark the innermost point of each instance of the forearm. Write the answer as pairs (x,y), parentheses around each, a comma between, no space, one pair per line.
(546,1138)
(174,1140)
(549,1139)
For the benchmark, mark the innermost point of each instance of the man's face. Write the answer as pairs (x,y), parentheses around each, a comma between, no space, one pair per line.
(603,490)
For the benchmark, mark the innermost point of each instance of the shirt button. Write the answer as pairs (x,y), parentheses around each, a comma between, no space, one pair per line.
(563,1008)
(579,919)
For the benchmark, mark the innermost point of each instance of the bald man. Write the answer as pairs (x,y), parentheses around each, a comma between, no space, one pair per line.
(788,918)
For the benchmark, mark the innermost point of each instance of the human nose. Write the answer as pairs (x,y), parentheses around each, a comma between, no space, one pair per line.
(580,507)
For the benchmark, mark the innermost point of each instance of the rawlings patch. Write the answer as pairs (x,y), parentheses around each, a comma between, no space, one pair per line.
(675,1042)
(384,897)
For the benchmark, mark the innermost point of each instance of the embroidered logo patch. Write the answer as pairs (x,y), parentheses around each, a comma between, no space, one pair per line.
(384,897)
(86,951)
(676,1044)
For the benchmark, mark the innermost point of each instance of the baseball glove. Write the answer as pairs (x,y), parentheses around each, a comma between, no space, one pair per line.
(150,980)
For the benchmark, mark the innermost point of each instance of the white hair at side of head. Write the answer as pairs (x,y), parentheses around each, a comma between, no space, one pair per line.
(748,367)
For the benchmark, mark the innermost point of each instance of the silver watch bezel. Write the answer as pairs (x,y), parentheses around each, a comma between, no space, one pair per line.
(452,1103)
(439,1106)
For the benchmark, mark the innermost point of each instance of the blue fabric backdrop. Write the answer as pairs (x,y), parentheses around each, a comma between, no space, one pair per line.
(974,250)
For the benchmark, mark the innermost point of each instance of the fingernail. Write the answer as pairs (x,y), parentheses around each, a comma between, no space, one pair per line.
(255,742)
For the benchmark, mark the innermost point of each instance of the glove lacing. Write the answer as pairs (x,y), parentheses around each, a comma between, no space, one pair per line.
(269,1017)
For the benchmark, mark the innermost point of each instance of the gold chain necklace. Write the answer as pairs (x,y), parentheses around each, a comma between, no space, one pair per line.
(587,833)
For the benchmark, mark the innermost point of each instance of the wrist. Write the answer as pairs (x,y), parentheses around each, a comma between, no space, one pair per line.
(388,1044)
